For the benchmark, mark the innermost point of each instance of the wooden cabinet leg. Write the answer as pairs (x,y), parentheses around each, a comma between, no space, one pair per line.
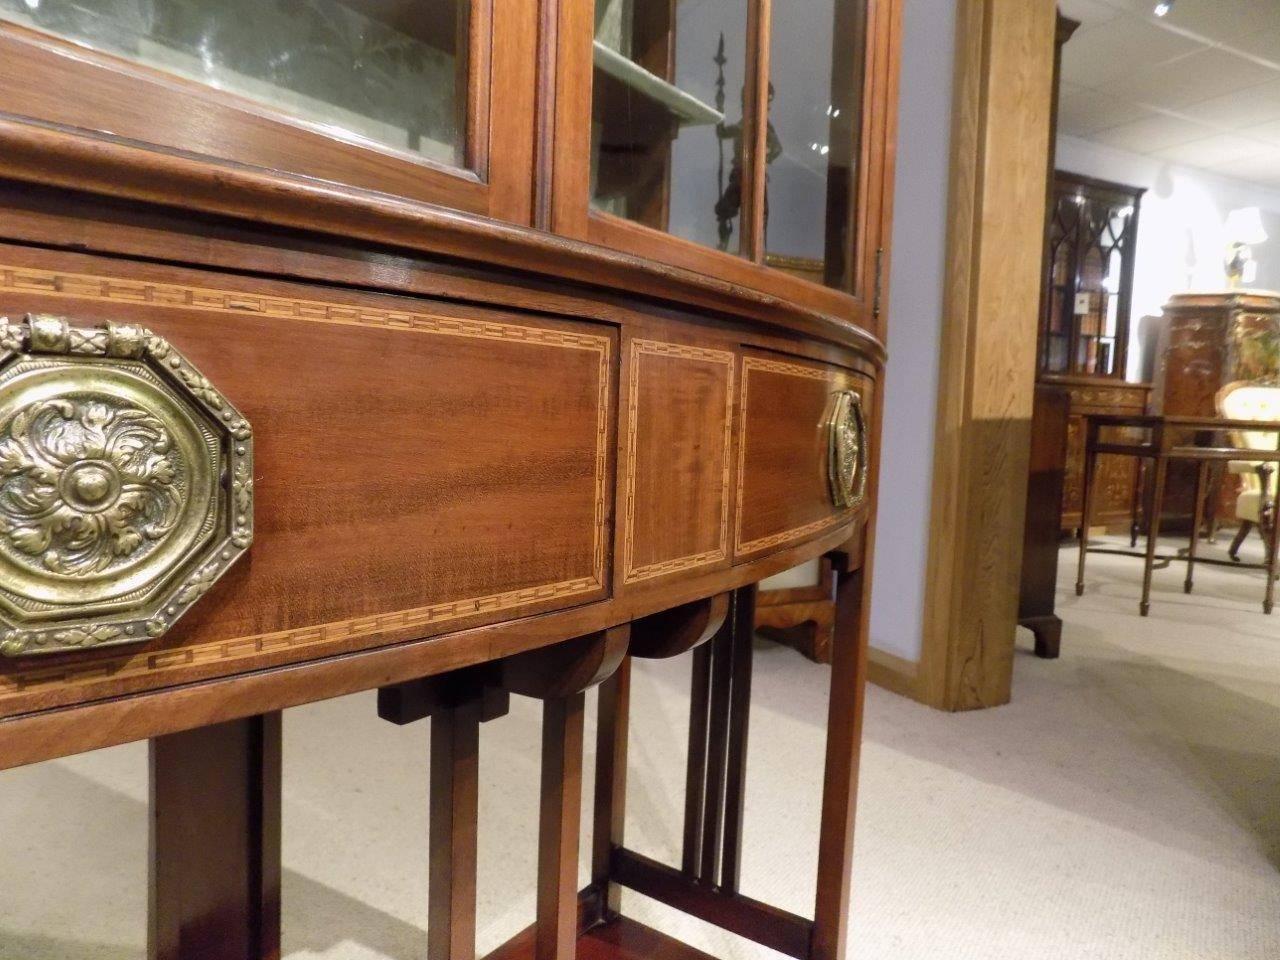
(558,828)
(611,785)
(455,776)
(215,842)
(844,738)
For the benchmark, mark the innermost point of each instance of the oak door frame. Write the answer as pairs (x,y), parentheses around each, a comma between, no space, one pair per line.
(999,145)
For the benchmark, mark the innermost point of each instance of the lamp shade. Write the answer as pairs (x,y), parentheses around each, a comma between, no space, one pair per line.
(1245,226)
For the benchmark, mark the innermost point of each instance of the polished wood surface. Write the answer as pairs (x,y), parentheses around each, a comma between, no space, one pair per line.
(1165,441)
(492,433)
(364,482)
(127,103)
(1042,533)
(1209,340)
(1118,476)
(783,493)
(215,842)
(680,409)
(997,199)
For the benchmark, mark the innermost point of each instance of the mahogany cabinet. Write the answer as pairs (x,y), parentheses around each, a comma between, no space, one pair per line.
(454,349)
(1117,476)
(1207,341)
(1090,239)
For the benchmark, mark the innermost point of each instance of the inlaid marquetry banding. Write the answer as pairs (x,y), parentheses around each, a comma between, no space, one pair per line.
(838,381)
(640,349)
(175,296)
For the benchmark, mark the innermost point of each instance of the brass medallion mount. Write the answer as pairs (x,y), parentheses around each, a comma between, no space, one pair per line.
(126,485)
(846,449)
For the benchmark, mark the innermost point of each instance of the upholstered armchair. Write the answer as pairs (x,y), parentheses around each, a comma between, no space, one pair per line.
(1256,504)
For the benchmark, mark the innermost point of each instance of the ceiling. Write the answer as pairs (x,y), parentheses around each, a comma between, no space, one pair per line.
(1199,87)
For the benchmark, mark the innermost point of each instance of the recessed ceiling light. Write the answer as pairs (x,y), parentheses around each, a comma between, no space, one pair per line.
(1163,7)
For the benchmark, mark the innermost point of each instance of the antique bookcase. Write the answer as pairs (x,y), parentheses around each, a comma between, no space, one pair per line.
(1084,327)
(452,349)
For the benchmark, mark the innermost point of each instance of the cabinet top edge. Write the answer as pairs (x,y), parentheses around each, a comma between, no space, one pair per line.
(38,153)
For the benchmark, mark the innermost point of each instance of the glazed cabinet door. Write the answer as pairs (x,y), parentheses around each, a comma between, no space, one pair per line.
(738,138)
(429,100)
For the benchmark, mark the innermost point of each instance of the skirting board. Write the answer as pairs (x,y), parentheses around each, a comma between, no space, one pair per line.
(894,673)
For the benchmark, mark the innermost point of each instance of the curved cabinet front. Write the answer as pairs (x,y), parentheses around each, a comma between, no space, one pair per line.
(418,469)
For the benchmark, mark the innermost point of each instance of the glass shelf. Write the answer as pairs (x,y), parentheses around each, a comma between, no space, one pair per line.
(689,109)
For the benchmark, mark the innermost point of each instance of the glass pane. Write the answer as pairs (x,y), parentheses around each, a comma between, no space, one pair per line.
(392,72)
(666,131)
(815,109)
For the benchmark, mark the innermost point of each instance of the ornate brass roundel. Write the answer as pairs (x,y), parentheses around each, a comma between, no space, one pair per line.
(846,449)
(125,485)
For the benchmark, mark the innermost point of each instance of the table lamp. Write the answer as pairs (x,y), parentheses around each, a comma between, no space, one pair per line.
(1243,229)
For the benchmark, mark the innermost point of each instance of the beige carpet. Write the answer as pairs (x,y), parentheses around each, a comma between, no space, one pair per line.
(1126,805)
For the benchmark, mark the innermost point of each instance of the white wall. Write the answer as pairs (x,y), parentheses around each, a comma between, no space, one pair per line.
(1180,243)
(914,325)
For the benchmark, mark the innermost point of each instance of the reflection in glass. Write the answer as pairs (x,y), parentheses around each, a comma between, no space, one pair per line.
(666,137)
(389,71)
(815,99)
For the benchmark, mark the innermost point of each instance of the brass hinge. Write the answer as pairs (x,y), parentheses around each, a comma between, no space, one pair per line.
(875,303)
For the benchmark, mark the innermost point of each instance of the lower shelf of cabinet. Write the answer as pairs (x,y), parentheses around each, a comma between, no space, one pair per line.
(620,938)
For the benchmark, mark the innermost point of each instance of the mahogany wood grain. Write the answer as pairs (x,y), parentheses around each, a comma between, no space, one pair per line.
(215,842)
(454,803)
(149,106)
(678,468)
(620,938)
(40,155)
(695,782)
(558,828)
(565,668)
(784,491)
(742,635)
(406,703)
(394,503)
(122,717)
(609,812)
(678,630)
(840,771)
(764,924)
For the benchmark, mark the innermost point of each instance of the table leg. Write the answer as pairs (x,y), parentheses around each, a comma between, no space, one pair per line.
(454,804)
(1273,548)
(1086,504)
(558,828)
(1153,531)
(215,842)
(830,936)
(1202,476)
(611,785)
(1139,478)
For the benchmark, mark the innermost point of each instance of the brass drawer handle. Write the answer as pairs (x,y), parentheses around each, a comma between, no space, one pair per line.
(126,485)
(846,449)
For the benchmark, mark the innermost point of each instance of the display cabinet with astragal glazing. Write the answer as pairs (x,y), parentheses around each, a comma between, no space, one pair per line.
(451,349)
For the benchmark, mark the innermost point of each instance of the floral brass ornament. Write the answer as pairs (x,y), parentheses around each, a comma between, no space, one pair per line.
(846,449)
(126,485)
